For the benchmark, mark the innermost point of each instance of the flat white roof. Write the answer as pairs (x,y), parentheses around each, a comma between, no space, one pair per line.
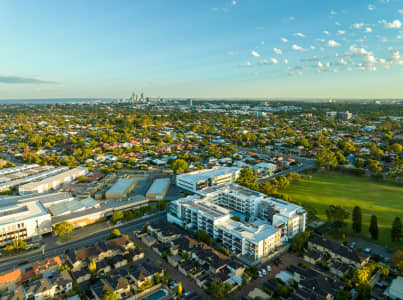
(21,211)
(159,185)
(60,176)
(121,186)
(208,173)
(254,232)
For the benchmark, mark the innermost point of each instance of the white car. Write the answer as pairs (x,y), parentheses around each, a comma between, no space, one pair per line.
(268,268)
(260,274)
(263,272)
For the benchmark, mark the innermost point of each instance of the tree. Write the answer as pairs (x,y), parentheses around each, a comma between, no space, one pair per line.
(116,232)
(299,241)
(180,289)
(357,219)
(179,166)
(16,245)
(110,295)
(364,291)
(373,165)
(396,148)
(92,267)
(201,236)
(63,228)
(117,215)
(396,230)
(326,158)
(247,178)
(398,259)
(336,215)
(373,227)
(343,295)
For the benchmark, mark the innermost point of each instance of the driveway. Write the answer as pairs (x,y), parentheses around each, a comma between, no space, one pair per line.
(287,258)
(187,283)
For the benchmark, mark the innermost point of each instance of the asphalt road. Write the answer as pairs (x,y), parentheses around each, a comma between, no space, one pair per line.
(53,249)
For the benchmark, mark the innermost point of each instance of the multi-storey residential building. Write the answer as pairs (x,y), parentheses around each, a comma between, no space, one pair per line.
(196,181)
(212,209)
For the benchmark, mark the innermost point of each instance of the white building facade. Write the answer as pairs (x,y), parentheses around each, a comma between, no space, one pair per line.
(196,181)
(23,221)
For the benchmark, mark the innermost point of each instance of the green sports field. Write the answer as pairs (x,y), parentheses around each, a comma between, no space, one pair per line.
(385,200)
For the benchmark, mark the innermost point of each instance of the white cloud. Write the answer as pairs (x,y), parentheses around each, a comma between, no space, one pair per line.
(285,61)
(326,32)
(284,40)
(321,40)
(262,42)
(291,18)
(368,29)
(277,51)
(332,43)
(396,24)
(272,61)
(400,11)
(234,2)
(232,52)
(299,34)
(358,25)
(342,62)
(371,7)
(358,51)
(319,64)
(341,32)
(338,23)
(312,47)
(246,65)
(255,54)
(396,56)
(297,48)
(332,12)
(369,59)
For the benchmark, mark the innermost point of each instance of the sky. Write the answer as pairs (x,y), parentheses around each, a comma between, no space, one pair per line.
(201,49)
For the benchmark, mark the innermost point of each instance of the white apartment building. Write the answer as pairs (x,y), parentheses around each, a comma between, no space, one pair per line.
(198,180)
(52,182)
(23,221)
(272,221)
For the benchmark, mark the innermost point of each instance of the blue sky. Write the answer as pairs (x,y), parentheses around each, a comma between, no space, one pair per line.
(186,48)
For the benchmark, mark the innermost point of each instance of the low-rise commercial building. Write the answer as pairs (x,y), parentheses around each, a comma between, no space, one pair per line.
(52,182)
(158,189)
(121,188)
(23,221)
(198,180)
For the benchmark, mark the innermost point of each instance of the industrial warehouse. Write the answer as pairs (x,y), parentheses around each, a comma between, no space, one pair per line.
(49,195)
(53,182)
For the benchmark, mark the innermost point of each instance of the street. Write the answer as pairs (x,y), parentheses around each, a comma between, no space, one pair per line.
(53,249)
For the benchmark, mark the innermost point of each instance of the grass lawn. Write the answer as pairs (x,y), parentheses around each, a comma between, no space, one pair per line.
(385,200)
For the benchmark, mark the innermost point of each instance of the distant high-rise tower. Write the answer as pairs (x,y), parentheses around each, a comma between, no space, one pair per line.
(190,102)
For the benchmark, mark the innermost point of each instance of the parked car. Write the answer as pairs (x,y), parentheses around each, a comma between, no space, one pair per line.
(352,246)
(367,250)
(268,268)
(264,272)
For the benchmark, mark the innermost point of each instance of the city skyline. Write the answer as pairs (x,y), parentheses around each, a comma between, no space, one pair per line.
(208,49)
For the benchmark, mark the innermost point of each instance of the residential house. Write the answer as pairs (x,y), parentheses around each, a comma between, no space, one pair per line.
(39,289)
(336,250)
